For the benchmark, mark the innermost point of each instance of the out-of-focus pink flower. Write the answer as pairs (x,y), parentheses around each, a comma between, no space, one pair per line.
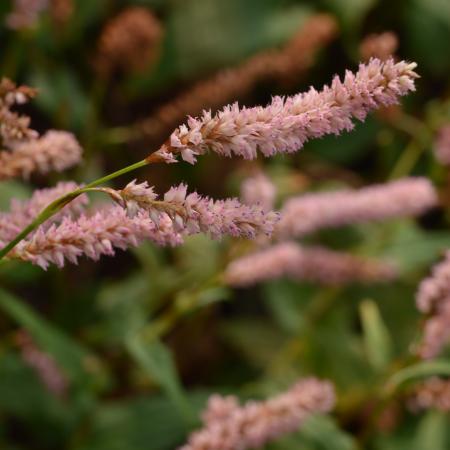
(259,190)
(287,123)
(55,150)
(315,264)
(256,423)
(310,212)
(442,145)
(433,299)
(43,364)
(26,13)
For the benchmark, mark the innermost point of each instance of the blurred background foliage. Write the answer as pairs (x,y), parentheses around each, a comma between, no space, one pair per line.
(144,338)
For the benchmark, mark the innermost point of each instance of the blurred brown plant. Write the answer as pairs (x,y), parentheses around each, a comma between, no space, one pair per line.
(129,42)
(284,65)
(381,46)
(14,128)
(61,11)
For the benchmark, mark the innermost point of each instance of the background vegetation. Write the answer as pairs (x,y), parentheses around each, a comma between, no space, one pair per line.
(145,337)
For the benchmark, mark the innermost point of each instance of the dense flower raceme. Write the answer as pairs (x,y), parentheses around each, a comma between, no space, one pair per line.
(433,299)
(442,145)
(14,127)
(315,264)
(92,236)
(192,213)
(164,222)
(286,63)
(433,393)
(310,212)
(228,426)
(22,213)
(55,150)
(287,123)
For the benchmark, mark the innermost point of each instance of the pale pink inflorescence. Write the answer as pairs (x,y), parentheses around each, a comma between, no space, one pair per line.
(55,150)
(25,13)
(314,264)
(43,364)
(259,190)
(22,213)
(192,213)
(433,393)
(287,123)
(164,222)
(442,145)
(433,299)
(92,236)
(255,424)
(311,212)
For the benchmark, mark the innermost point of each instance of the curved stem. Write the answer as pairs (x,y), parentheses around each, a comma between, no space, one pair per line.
(60,202)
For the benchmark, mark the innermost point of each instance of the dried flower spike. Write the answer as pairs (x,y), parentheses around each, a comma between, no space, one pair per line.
(286,124)
(130,41)
(286,64)
(257,423)
(314,211)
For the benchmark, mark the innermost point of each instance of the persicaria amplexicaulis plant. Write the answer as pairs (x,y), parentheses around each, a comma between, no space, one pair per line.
(281,127)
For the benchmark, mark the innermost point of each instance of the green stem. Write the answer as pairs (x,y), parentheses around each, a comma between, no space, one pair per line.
(60,202)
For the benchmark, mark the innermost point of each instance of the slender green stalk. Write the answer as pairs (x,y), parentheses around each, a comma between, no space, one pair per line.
(60,202)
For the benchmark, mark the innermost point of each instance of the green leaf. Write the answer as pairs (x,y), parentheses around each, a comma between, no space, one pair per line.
(144,423)
(409,246)
(377,339)
(432,432)
(419,370)
(12,189)
(156,360)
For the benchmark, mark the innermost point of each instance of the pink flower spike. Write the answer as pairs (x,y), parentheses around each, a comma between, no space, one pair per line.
(287,123)
(229,426)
